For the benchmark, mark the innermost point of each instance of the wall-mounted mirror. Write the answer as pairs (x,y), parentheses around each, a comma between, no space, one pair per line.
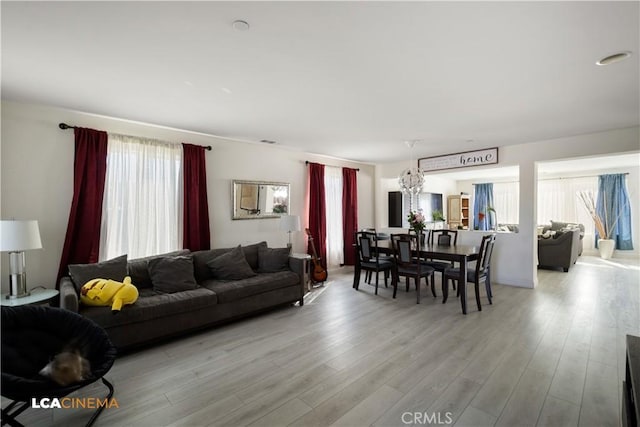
(259,199)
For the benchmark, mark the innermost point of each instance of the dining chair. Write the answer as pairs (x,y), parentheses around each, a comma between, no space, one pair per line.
(409,266)
(442,238)
(368,260)
(413,237)
(482,270)
(374,238)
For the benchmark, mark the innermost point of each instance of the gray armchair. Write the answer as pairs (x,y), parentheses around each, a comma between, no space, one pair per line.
(561,251)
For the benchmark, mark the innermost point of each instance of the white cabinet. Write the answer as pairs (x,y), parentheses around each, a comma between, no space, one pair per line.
(458,211)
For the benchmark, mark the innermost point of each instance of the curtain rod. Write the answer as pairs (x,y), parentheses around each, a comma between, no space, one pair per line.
(553,179)
(65,126)
(307,162)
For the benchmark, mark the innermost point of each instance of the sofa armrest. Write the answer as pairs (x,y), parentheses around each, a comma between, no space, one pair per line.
(68,295)
(297,265)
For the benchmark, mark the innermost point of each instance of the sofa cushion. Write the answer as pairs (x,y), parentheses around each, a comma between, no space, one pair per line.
(271,260)
(138,268)
(201,270)
(231,265)
(251,254)
(114,269)
(152,305)
(228,291)
(172,274)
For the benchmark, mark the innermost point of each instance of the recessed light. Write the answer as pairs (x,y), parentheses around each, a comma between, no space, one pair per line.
(616,57)
(240,25)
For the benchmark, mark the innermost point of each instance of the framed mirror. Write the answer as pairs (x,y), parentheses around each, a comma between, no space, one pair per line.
(260,199)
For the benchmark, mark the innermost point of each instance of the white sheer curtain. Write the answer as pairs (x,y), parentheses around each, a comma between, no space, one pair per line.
(333,199)
(557,201)
(142,205)
(506,201)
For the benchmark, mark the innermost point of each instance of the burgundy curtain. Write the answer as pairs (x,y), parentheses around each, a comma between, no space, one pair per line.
(349,213)
(317,209)
(196,233)
(82,241)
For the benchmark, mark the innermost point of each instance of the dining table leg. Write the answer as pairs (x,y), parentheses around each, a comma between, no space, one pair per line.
(462,284)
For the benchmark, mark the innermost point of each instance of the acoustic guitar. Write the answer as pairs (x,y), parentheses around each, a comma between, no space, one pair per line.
(318,274)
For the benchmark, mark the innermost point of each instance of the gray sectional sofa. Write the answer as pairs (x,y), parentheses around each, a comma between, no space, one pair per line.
(183,291)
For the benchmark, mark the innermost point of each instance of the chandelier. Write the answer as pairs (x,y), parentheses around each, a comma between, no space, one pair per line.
(411,179)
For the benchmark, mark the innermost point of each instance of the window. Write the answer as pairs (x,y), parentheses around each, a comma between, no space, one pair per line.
(506,200)
(333,199)
(142,204)
(558,201)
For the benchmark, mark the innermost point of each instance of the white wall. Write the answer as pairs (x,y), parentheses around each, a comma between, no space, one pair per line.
(37,180)
(517,253)
(387,180)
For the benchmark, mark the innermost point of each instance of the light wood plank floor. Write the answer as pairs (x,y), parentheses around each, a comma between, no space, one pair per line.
(553,356)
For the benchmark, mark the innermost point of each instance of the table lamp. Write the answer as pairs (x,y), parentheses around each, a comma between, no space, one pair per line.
(290,223)
(15,238)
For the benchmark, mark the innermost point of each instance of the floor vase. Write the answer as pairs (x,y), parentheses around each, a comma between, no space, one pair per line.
(606,247)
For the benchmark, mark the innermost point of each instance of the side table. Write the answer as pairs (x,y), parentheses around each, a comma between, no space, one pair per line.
(37,296)
(305,258)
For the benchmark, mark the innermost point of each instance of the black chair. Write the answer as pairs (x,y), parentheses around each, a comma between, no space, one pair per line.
(482,270)
(31,336)
(375,237)
(442,238)
(408,266)
(367,259)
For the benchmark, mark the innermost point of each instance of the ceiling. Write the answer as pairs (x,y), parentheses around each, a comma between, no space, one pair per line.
(352,80)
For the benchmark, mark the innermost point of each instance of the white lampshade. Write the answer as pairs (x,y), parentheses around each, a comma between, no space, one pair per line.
(290,223)
(19,236)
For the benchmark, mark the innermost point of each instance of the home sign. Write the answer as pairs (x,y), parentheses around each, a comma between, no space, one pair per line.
(459,160)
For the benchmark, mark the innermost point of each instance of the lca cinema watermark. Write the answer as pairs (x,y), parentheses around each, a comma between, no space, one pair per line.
(427,418)
(74,403)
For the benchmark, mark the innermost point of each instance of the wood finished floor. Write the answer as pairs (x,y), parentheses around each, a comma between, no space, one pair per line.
(553,356)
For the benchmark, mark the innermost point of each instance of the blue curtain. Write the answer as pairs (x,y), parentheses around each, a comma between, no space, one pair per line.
(613,200)
(483,200)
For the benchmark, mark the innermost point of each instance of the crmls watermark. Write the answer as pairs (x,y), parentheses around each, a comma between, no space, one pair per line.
(74,402)
(427,418)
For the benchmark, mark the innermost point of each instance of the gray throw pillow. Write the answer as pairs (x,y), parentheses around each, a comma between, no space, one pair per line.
(172,274)
(251,254)
(138,268)
(231,265)
(114,269)
(271,260)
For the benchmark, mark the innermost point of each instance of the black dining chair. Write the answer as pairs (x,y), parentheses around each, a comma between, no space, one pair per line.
(409,266)
(375,237)
(482,270)
(368,261)
(442,238)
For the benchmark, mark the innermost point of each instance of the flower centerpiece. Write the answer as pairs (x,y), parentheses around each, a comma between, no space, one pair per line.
(417,221)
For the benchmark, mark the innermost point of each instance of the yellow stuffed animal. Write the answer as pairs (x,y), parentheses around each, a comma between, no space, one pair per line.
(101,292)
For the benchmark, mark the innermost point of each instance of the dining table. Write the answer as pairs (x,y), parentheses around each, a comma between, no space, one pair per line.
(460,254)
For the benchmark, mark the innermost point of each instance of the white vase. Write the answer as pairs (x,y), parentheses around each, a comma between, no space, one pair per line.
(606,247)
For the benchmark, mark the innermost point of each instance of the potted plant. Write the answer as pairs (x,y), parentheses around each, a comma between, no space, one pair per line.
(436,214)
(604,226)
